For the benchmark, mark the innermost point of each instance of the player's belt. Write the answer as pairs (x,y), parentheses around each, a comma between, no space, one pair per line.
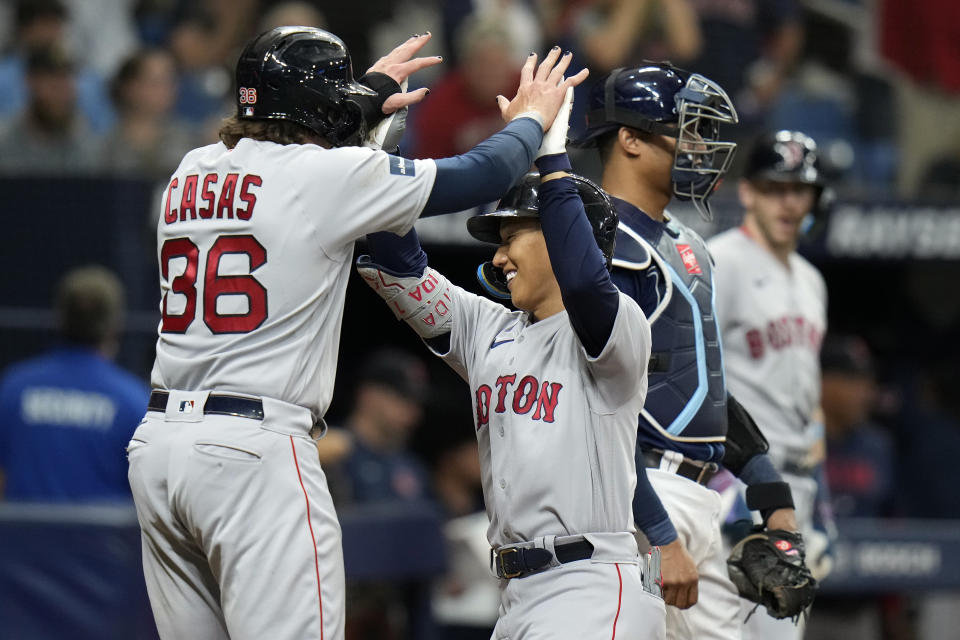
(220,404)
(699,472)
(519,562)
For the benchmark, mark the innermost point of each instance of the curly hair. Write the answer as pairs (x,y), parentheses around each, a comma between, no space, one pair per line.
(279,131)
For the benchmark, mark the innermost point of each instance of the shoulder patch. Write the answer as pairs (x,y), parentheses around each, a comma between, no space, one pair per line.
(402,166)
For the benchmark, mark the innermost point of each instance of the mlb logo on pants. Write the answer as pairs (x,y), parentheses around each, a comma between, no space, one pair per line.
(186,406)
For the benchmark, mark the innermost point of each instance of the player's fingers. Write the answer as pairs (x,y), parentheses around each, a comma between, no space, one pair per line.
(576,79)
(400,100)
(408,49)
(504,104)
(526,72)
(543,71)
(407,69)
(556,75)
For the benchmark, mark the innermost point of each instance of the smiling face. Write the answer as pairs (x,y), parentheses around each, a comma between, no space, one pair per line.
(524,260)
(775,211)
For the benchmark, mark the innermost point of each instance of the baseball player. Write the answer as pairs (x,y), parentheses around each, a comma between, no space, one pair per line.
(657,130)
(255,240)
(557,386)
(771,309)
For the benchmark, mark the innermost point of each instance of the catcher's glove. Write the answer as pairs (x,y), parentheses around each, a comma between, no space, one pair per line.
(768,568)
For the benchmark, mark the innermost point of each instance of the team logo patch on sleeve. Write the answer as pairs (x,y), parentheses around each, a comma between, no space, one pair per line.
(689,259)
(402,166)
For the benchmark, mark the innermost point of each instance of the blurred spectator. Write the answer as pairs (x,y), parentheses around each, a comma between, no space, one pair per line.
(297,13)
(371,462)
(461,110)
(146,140)
(102,33)
(465,601)
(517,17)
(920,40)
(749,48)
(860,459)
(49,136)
(42,24)
(206,42)
(66,416)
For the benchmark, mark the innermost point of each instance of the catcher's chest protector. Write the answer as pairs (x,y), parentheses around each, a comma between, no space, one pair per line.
(686,397)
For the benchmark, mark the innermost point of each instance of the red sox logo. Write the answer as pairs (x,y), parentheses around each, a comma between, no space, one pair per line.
(792,153)
(689,260)
(529,394)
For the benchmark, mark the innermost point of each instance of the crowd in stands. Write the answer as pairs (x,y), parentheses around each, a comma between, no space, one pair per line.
(123,88)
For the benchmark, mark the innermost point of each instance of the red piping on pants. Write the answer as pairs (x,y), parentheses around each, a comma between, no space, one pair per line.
(313,540)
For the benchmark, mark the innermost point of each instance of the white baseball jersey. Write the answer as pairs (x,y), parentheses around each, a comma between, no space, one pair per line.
(255,247)
(772,320)
(557,431)
(557,428)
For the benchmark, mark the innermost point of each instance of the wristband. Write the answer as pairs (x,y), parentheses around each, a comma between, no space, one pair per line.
(767,497)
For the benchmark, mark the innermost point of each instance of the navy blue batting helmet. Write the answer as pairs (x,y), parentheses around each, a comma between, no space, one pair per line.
(790,156)
(522,201)
(304,75)
(661,99)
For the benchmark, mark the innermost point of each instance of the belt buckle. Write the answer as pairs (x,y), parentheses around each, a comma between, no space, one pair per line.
(503,570)
(708,467)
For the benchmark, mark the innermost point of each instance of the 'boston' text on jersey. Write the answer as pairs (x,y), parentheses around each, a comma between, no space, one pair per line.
(209,197)
(528,394)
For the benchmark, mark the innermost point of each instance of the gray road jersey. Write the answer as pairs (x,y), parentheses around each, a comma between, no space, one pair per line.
(772,321)
(557,429)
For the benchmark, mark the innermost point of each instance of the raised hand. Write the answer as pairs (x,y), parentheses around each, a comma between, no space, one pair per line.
(400,64)
(542,88)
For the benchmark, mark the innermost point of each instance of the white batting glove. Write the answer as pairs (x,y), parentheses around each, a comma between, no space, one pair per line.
(555,139)
(386,135)
(819,556)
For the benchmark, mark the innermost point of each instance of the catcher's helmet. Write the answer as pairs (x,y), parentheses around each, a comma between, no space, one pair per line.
(790,156)
(661,99)
(521,201)
(303,75)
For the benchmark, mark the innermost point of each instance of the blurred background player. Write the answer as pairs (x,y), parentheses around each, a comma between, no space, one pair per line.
(657,129)
(772,311)
(66,416)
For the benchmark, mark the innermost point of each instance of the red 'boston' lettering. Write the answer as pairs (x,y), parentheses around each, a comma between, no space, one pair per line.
(249,182)
(547,401)
(525,395)
(483,405)
(503,385)
(755,342)
(188,201)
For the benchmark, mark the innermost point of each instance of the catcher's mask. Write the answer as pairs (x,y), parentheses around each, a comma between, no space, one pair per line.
(661,99)
(522,201)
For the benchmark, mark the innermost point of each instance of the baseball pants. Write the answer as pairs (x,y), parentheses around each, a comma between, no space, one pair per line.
(240,536)
(695,512)
(580,600)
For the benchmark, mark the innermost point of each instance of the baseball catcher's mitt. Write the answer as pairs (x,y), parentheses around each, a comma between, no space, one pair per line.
(768,568)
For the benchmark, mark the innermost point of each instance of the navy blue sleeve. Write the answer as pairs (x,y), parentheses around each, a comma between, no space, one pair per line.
(648,511)
(589,296)
(484,173)
(399,255)
(758,470)
(643,286)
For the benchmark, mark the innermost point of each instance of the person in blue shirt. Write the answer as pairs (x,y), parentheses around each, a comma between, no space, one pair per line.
(66,416)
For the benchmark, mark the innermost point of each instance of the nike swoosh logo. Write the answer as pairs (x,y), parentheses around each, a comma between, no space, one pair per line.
(495,344)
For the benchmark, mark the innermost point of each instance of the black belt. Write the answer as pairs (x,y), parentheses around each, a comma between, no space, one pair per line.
(519,562)
(217,403)
(700,472)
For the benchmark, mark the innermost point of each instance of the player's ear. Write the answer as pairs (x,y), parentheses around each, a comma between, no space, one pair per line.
(746,193)
(630,141)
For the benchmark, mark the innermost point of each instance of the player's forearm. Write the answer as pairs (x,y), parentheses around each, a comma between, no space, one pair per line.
(484,173)
(589,296)
(648,512)
(400,254)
